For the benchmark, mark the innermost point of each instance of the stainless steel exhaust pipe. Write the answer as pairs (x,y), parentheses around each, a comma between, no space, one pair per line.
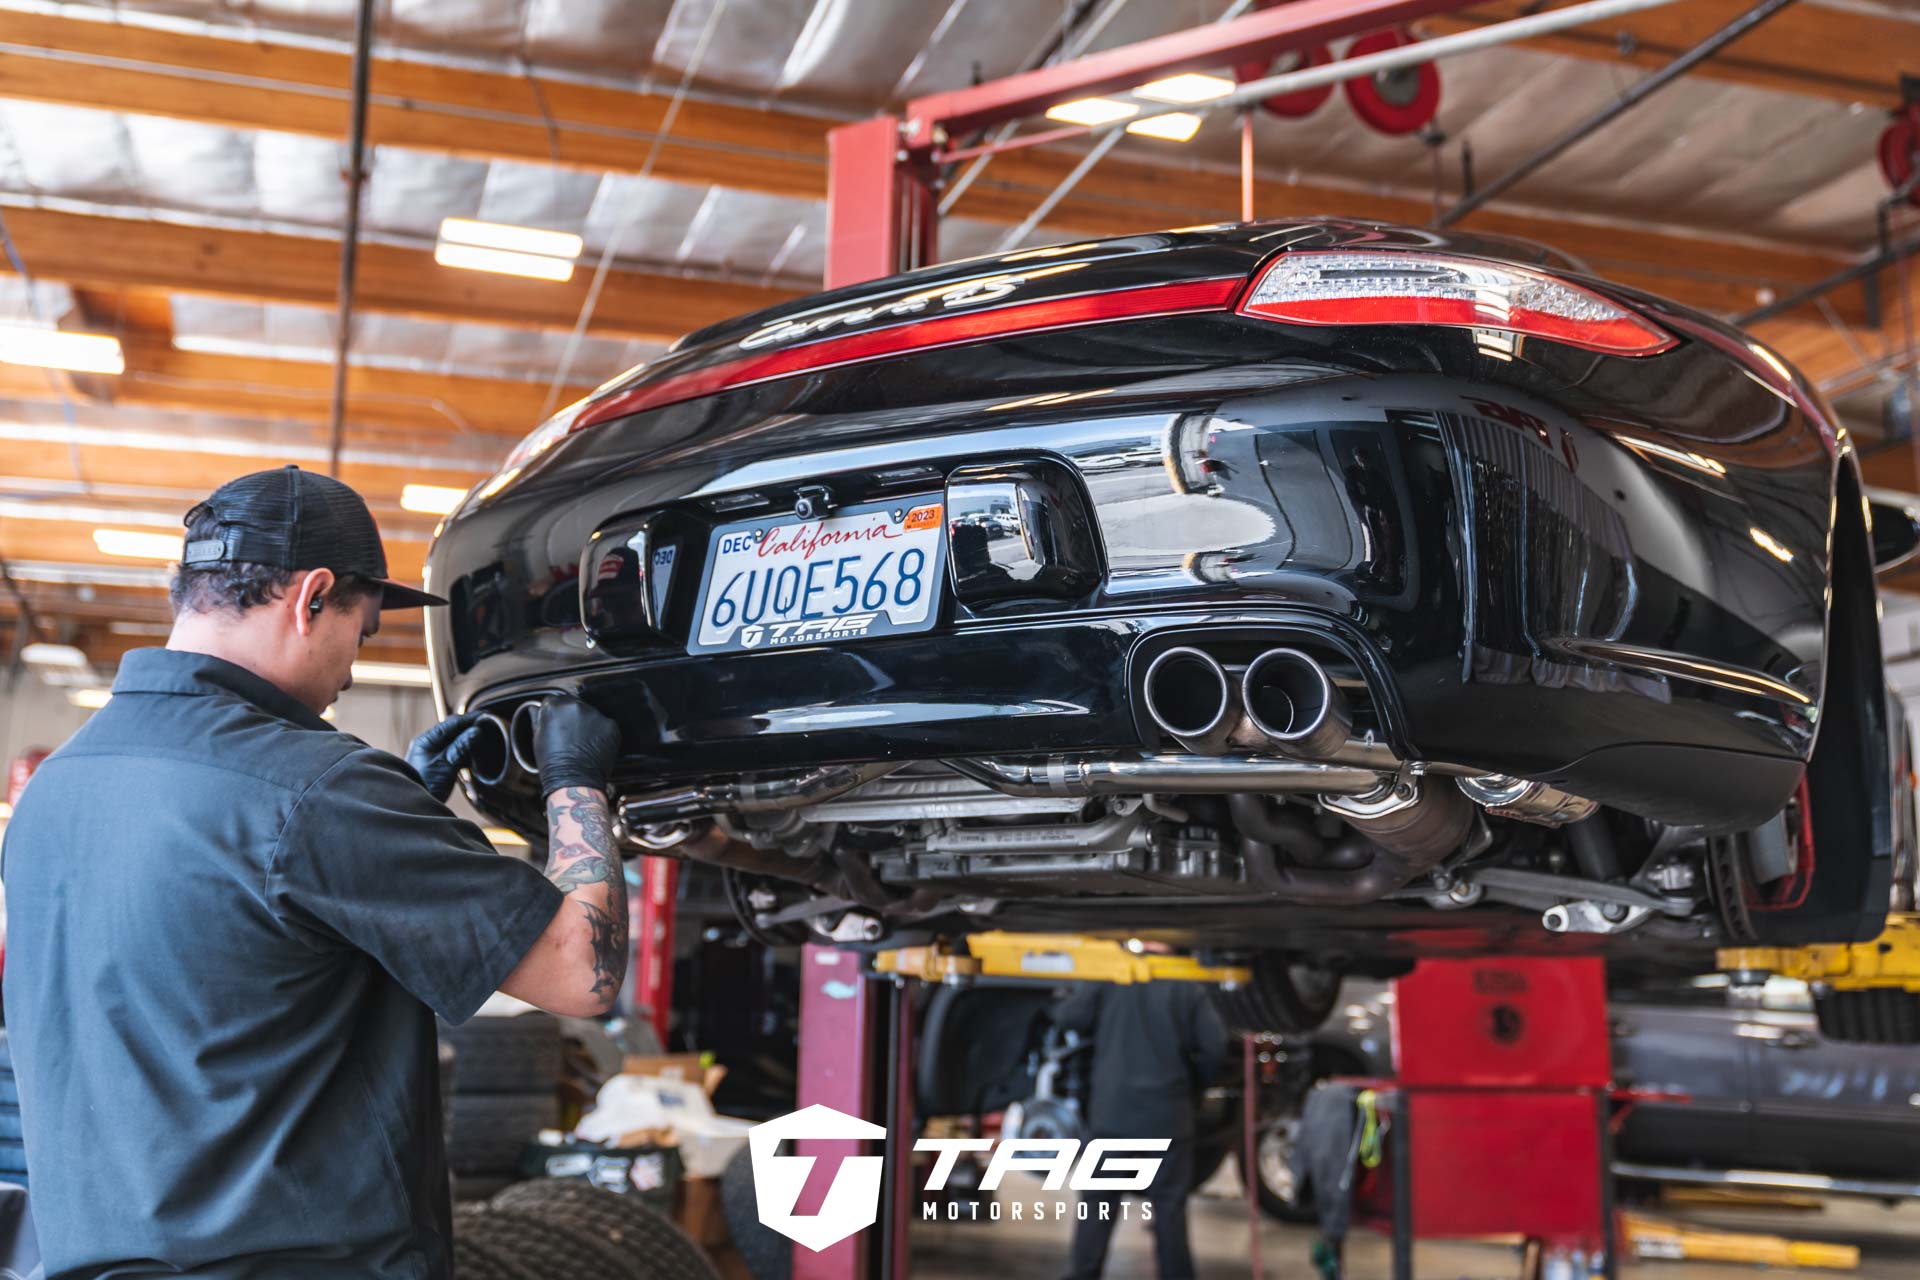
(491,755)
(1191,699)
(699,800)
(1292,701)
(1223,775)
(522,732)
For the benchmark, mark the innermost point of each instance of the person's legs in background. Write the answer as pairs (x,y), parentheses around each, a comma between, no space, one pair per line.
(1093,1233)
(1172,1253)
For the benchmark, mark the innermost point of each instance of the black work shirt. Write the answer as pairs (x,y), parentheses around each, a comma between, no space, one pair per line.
(1156,1047)
(229,928)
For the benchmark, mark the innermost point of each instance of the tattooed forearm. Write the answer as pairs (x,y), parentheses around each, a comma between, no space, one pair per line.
(582,861)
(609,931)
(580,839)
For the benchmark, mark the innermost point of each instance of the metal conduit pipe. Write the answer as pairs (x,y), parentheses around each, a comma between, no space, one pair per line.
(350,235)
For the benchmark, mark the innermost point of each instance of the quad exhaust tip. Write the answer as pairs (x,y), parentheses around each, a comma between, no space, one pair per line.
(1284,701)
(1292,701)
(1191,700)
(491,753)
(521,733)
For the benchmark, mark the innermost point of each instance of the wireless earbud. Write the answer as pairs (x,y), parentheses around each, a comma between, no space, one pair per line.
(314,606)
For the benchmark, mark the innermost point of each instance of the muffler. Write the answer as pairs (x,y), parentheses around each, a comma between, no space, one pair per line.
(1291,700)
(1191,699)
(491,755)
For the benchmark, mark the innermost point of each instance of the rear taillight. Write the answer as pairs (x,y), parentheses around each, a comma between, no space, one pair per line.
(1348,287)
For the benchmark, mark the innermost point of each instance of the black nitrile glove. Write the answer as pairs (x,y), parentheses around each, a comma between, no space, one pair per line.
(437,754)
(575,744)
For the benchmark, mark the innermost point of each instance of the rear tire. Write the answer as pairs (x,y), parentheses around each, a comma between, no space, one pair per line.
(1287,995)
(1280,1196)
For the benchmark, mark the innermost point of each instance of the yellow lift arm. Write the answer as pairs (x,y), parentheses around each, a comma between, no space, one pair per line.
(1889,962)
(1050,957)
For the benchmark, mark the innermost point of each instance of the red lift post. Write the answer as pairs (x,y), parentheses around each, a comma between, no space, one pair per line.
(883,218)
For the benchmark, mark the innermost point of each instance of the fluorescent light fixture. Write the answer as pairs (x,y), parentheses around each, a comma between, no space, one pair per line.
(1091,111)
(58,349)
(42,654)
(137,544)
(1191,86)
(91,699)
(395,673)
(6,811)
(431,499)
(1175,126)
(501,235)
(504,836)
(502,262)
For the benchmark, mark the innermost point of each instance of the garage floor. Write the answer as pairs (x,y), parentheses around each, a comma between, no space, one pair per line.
(1889,1241)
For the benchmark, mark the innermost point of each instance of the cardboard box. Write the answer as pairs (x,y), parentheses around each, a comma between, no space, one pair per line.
(676,1066)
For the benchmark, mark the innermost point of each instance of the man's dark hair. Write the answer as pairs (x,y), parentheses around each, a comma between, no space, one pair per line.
(237,586)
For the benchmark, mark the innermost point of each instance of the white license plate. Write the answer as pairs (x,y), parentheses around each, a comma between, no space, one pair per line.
(778,581)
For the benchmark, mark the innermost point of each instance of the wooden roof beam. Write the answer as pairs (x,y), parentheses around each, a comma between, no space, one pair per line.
(104,251)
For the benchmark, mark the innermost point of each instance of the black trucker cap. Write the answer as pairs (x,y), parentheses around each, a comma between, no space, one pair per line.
(297,520)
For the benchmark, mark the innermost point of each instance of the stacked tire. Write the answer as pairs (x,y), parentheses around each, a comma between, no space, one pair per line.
(562,1229)
(13,1152)
(506,1073)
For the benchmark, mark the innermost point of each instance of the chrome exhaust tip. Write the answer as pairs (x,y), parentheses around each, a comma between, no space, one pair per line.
(491,755)
(1292,701)
(521,734)
(1191,700)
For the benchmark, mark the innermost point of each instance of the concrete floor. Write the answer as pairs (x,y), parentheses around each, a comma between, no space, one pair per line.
(1889,1240)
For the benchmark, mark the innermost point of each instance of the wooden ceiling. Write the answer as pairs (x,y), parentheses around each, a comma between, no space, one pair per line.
(413,428)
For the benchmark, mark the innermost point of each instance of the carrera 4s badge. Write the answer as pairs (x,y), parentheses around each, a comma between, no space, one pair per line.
(965,293)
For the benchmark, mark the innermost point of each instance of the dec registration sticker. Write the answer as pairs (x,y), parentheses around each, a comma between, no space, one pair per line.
(866,571)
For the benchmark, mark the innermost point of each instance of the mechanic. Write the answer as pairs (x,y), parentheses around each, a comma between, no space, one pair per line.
(1156,1046)
(232,925)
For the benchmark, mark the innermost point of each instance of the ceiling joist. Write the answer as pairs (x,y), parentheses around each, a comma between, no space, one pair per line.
(99,250)
(401,403)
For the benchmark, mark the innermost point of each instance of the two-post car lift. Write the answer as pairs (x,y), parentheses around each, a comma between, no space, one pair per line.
(1482,1107)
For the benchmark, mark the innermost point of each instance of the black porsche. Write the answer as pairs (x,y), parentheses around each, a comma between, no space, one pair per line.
(1321,585)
